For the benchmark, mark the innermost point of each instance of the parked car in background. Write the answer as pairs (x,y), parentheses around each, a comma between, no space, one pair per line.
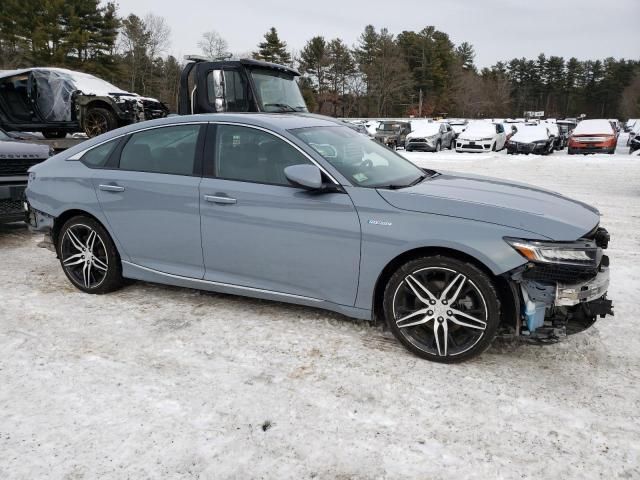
(16,157)
(304,210)
(480,136)
(57,101)
(372,127)
(566,127)
(634,143)
(633,133)
(593,136)
(392,133)
(357,127)
(430,137)
(535,139)
(629,124)
(615,123)
(559,138)
(458,126)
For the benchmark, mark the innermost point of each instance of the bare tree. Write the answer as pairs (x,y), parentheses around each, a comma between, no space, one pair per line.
(213,45)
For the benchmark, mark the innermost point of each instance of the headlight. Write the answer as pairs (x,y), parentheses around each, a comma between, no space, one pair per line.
(488,139)
(583,253)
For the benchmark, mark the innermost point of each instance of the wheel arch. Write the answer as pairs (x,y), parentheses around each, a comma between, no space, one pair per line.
(61,219)
(508,297)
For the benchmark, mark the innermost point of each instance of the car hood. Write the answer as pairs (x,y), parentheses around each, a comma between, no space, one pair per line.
(493,200)
(10,149)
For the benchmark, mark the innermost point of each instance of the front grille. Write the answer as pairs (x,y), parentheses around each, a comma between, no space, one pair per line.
(559,273)
(154,110)
(477,147)
(16,166)
(10,207)
(417,140)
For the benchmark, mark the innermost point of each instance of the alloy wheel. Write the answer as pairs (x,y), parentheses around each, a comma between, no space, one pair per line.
(440,311)
(84,256)
(96,124)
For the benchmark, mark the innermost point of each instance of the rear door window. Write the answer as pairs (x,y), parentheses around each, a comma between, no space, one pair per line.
(170,150)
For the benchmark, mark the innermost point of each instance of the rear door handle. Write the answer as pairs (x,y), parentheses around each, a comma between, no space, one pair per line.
(111,188)
(220,199)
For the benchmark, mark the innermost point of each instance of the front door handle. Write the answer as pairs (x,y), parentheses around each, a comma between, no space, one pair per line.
(111,188)
(220,199)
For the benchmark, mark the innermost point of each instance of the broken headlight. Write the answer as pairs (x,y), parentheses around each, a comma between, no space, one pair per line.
(580,253)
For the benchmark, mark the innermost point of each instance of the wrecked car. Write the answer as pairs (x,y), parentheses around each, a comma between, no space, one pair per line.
(16,157)
(302,209)
(531,139)
(392,134)
(57,101)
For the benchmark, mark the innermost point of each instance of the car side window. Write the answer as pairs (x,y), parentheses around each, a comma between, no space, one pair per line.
(499,128)
(97,157)
(252,155)
(170,150)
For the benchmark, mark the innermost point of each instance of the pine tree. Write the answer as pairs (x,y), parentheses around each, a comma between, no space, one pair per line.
(273,49)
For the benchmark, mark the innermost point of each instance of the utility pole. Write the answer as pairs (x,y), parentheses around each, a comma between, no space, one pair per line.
(420,104)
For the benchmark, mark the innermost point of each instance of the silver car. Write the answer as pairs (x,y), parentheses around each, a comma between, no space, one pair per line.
(302,209)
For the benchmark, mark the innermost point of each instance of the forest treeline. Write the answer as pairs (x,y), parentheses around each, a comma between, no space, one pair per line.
(383,74)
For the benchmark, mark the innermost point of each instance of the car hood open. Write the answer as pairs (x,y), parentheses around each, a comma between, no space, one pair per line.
(502,202)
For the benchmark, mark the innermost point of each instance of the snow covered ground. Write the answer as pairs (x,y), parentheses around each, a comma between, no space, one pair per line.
(161,382)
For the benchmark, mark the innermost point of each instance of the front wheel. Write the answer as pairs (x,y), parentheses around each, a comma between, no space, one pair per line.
(438,146)
(442,309)
(88,256)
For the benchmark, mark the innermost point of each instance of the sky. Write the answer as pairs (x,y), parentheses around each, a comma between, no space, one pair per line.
(498,29)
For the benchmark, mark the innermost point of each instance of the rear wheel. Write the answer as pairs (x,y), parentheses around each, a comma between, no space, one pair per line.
(442,309)
(88,256)
(98,121)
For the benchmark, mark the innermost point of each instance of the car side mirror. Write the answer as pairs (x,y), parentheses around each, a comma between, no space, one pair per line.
(308,177)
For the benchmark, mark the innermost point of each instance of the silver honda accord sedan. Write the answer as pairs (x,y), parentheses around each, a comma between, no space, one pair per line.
(299,208)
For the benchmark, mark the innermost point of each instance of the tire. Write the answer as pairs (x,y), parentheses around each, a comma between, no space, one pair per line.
(493,147)
(98,120)
(452,145)
(102,271)
(408,149)
(54,134)
(473,291)
(438,146)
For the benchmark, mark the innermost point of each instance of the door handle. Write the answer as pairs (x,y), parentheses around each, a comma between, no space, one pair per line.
(111,188)
(220,199)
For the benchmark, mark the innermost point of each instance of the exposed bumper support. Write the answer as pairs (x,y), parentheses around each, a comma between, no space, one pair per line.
(569,295)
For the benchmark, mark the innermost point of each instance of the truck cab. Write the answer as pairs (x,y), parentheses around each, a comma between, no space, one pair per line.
(238,86)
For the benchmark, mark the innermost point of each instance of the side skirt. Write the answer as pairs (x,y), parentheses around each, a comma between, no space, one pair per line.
(137,272)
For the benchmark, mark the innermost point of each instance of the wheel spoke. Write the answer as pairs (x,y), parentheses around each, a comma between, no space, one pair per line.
(99,264)
(73,260)
(479,324)
(75,241)
(91,240)
(442,351)
(86,270)
(412,282)
(460,279)
(422,320)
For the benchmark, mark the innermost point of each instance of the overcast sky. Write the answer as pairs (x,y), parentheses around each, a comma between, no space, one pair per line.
(498,29)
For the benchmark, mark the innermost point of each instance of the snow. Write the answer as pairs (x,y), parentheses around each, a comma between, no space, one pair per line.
(424,129)
(479,128)
(595,126)
(530,133)
(161,382)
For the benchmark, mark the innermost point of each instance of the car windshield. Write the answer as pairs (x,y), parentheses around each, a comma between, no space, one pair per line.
(362,160)
(278,91)
(389,127)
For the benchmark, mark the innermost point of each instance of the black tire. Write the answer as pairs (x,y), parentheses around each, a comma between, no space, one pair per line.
(408,149)
(438,146)
(98,120)
(452,145)
(476,294)
(88,274)
(494,147)
(54,134)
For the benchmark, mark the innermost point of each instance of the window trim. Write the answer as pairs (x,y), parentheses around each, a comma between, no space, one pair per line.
(111,164)
(266,130)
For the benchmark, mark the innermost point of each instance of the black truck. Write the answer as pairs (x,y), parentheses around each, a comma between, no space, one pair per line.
(238,86)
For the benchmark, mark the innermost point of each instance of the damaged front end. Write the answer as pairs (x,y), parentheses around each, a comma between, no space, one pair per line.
(562,289)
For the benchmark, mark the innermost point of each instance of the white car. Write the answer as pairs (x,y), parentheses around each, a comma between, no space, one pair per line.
(481,136)
(458,126)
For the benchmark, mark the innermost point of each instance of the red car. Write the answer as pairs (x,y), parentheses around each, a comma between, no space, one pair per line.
(593,136)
